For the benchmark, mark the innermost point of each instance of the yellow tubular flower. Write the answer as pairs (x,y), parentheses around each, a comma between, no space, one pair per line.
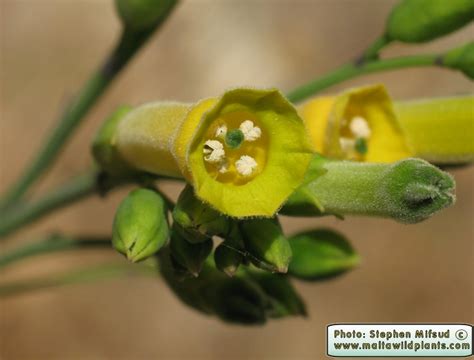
(439,130)
(358,124)
(244,153)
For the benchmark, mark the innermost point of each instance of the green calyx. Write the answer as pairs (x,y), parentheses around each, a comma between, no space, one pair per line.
(189,256)
(198,220)
(234,138)
(103,145)
(416,21)
(320,254)
(250,297)
(140,226)
(266,244)
(462,59)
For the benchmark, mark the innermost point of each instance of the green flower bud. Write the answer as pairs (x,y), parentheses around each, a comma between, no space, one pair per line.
(190,256)
(228,259)
(417,190)
(284,300)
(103,148)
(267,246)
(408,191)
(416,21)
(188,290)
(140,226)
(462,59)
(320,254)
(143,15)
(198,219)
(235,300)
(239,300)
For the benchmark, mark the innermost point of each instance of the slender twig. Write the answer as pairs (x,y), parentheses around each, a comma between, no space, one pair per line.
(372,52)
(74,190)
(82,275)
(350,71)
(129,44)
(52,243)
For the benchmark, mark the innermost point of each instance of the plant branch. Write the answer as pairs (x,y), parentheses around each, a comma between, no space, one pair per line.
(74,190)
(83,275)
(350,71)
(128,45)
(53,243)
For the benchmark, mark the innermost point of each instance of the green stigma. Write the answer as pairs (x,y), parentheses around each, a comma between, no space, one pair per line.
(361,146)
(234,138)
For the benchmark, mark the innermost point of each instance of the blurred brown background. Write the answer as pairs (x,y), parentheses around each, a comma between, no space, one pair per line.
(416,273)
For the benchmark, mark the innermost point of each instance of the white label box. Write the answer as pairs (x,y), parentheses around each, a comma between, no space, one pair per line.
(399,340)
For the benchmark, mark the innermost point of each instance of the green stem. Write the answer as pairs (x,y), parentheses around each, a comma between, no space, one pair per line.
(130,42)
(76,189)
(372,52)
(103,271)
(51,244)
(350,71)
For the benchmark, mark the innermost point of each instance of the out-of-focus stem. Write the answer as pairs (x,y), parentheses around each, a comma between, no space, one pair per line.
(350,71)
(84,275)
(51,244)
(128,45)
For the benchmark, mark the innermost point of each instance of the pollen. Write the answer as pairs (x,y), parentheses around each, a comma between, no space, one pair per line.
(360,127)
(214,151)
(250,131)
(246,165)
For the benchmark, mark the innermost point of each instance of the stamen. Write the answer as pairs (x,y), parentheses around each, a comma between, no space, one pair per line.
(224,167)
(360,127)
(214,151)
(347,144)
(221,131)
(251,132)
(246,165)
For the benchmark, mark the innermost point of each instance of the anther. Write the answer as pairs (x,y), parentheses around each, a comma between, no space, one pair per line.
(359,127)
(251,132)
(246,165)
(214,151)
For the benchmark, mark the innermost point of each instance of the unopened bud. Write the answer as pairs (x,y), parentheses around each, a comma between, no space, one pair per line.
(267,246)
(239,300)
(103,146)
(198,219)
(284,300)
(416,21)
(228,259)
(462,59)
(143,15)
(140,226)
(320,254)
(189,256)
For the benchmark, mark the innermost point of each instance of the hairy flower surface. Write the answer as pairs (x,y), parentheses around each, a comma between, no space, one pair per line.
(440,130)
(244,153)
(358,124)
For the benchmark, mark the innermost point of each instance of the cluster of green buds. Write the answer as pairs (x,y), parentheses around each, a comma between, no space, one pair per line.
(249,156)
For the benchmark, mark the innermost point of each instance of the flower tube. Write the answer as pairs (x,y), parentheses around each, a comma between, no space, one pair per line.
(439,130)
(244,153)
(358,124)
